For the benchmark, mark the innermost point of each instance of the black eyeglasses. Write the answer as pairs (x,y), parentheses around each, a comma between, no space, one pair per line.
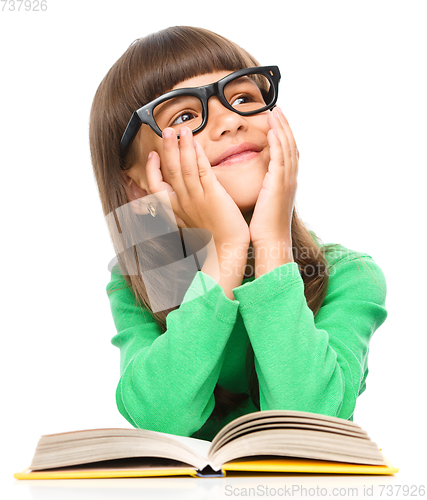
(247,92)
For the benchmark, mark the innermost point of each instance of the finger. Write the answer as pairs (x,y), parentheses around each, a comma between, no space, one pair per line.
(277,159)
(297,161)
(277,126)
(284,121)
(154,174)
(157,186)
(294,151)
(172,162)
(189,166)
(206,174)
(155,181)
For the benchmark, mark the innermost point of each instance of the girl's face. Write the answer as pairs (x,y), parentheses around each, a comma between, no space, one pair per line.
(241,176)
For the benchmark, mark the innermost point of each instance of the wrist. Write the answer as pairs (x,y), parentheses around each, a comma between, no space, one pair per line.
(233,250)
(271,254)
(284,244)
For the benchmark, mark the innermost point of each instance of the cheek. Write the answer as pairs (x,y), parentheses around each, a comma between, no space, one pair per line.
(148,144)
(149,141)
(262,122)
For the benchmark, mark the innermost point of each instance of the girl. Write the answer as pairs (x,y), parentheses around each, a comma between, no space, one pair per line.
(197,173)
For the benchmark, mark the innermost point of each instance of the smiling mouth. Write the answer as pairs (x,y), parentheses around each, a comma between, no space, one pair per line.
(237,158)
(237,154)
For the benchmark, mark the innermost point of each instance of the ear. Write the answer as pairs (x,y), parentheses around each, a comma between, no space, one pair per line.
(134,194)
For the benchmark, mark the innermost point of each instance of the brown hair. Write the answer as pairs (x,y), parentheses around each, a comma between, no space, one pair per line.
(150,67)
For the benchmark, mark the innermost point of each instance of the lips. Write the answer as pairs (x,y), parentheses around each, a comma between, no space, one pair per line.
(245,147)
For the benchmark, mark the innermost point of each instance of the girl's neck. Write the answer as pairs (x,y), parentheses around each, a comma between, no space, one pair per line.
(250,266)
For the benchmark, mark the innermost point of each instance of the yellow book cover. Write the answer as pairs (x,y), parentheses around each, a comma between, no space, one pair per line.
(255,465)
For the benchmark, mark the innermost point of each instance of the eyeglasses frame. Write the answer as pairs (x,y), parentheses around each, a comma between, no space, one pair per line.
(144,115)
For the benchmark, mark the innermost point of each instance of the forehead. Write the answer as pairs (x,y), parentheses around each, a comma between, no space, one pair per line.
(201,80)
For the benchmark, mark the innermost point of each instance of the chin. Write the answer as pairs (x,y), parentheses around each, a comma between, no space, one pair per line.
(247,198)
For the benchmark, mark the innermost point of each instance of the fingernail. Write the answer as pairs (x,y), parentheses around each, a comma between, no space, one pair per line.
(150,155)
(182,132)
(167,133)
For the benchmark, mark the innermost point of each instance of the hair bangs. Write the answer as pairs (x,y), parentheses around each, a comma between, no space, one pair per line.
(175,54)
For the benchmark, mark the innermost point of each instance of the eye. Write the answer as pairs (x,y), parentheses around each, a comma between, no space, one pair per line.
(246,98)
(241,100)
(183,117)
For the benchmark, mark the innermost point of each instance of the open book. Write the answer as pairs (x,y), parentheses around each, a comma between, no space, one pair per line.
(264,441)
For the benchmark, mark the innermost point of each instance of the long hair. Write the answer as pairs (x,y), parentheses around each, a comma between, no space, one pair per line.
(150,67)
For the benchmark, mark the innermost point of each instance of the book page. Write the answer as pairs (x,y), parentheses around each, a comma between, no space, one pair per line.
(198,446)
(253,419)
(300,443)
(281,423)
(94,445)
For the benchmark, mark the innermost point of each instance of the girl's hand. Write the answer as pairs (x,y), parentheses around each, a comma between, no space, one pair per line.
(197,198)
(272,216)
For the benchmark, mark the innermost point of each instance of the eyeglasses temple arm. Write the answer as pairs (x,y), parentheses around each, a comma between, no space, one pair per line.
(129,134)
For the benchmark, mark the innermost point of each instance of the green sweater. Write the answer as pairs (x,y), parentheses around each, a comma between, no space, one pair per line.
(314,364)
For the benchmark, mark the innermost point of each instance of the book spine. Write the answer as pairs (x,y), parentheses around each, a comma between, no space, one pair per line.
(209,472)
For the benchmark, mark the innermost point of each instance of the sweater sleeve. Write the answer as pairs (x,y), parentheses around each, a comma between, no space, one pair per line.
(314,364)
(167,379)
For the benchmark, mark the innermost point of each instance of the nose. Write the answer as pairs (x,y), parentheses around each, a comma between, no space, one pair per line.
(222,120)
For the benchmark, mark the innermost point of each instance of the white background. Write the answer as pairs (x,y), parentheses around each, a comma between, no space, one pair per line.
(353,90)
